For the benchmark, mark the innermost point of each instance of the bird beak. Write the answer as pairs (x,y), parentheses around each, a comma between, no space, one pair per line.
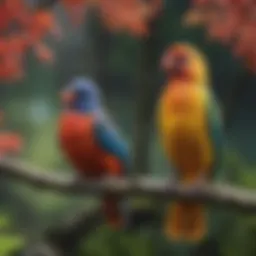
(167,63)
(173,62)
(67,97)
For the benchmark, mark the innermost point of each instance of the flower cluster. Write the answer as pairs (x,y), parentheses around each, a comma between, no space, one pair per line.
(22,27)
(132,16)
(10,143)
(230,22)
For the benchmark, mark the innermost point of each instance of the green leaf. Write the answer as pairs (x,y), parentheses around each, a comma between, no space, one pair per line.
(4,222)
(9,243)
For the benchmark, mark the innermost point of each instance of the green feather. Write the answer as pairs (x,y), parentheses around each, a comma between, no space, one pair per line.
(216,133)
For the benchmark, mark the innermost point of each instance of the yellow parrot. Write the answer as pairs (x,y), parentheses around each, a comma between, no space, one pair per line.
(191,132)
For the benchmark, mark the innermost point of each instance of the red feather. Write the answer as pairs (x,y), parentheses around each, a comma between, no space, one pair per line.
(78,143)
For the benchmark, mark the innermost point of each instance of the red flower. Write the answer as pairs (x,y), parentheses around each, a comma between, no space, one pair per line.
(230,22)
(132,16)
(10,143)
(32,26)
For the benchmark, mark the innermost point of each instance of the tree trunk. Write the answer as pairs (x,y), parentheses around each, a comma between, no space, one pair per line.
(146,96)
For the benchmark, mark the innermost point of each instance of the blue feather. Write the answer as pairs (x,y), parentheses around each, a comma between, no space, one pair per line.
(88,101)
(109,140)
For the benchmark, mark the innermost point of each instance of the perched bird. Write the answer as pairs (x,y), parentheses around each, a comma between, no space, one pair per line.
(91,142)
(191,132)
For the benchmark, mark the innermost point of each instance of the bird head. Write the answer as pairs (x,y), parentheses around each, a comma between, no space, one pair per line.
(185,62)
(81,94)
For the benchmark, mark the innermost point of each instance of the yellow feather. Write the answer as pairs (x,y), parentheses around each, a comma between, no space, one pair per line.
(178,132)
(183,130)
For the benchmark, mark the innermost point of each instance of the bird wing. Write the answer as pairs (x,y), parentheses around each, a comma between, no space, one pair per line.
(110,141)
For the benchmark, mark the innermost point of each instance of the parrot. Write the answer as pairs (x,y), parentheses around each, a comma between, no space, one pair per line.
(91,142)
(190,129)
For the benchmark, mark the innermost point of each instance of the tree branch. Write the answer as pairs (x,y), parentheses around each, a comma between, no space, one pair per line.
(224,195)
(146,96)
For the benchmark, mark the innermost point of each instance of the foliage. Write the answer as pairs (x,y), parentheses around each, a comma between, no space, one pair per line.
(23,26)
(10,244)
(232,23)
(118,243)
(35,21)
(131,16)
(239,235)
(238,232)
(9,241)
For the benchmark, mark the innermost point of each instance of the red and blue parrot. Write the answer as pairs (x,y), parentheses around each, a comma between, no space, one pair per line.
(91,142)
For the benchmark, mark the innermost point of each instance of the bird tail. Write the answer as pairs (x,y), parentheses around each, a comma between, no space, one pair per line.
(112,211)
(185,221)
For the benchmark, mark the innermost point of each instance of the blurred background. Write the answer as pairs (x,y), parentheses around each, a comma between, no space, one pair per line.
(120,62)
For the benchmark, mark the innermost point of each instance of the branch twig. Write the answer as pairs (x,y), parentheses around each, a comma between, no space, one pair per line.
(225,195)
